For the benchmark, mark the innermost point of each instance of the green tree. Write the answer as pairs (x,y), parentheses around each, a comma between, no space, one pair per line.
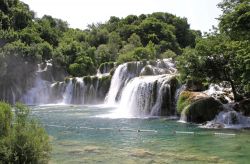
(235,20)
(103,54)
(83,66)
(135,40)
(114,45)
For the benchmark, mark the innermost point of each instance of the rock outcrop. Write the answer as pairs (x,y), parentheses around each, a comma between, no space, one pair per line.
(197,107)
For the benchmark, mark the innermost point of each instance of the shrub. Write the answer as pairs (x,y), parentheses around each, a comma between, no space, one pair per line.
(26,140)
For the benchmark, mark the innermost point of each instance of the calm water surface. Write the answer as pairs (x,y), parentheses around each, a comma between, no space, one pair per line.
(79,135)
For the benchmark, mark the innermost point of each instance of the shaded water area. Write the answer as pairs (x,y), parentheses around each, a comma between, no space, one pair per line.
(80,134)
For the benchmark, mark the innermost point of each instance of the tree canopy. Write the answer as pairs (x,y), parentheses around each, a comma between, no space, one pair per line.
(223,55)
(118,39)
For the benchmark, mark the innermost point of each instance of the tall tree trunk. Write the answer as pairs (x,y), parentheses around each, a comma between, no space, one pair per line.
(236,96)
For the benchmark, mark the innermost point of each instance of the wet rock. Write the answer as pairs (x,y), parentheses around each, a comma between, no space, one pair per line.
(198,107)
(222,99)
(147,70)
(187,97)
(214,125)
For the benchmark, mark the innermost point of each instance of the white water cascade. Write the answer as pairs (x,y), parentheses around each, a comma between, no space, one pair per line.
(142,89)
(218,91)
(67,95)
(125,72)
(229,118)
(121,76)
(143,96)
(79,90)
(38,94)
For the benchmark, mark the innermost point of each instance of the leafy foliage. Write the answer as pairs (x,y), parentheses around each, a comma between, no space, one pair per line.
(22,139)
(119,39)
(222,56)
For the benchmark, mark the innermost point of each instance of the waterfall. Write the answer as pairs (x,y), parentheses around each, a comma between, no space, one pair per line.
(229,118)
(67,96)
(122,75)
(144,96)
(39,93)
(221,92)
(142,89)
(78,90)
(125,72)
(163,97)
(84,90)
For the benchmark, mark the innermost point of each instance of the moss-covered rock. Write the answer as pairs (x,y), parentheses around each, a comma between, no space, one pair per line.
(203,110)
(104,84)
(112,71)
(87,79)
(198,107)
(186,98)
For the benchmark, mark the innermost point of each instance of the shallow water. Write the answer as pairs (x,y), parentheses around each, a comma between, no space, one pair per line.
(79,135)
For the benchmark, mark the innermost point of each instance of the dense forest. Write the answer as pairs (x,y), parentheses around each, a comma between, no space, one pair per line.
(27,39)
(222,55)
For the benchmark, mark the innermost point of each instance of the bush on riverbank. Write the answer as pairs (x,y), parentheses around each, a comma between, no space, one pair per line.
(22,139)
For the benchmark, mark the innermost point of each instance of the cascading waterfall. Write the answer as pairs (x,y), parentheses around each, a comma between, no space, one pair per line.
(67,96)
(125,72)
(121,76)
(229,118)
(38,94)
(218,91)
(79,90)
(150,94)
(41,89)
(144,96)
(85,90)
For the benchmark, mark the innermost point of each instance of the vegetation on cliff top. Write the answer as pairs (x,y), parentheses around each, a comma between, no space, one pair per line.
(32,40)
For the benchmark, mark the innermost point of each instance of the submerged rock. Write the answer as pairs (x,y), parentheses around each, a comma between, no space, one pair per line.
(141,153)
(197,107)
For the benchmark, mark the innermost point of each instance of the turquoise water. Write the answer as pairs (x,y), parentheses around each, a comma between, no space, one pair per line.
(78,136)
